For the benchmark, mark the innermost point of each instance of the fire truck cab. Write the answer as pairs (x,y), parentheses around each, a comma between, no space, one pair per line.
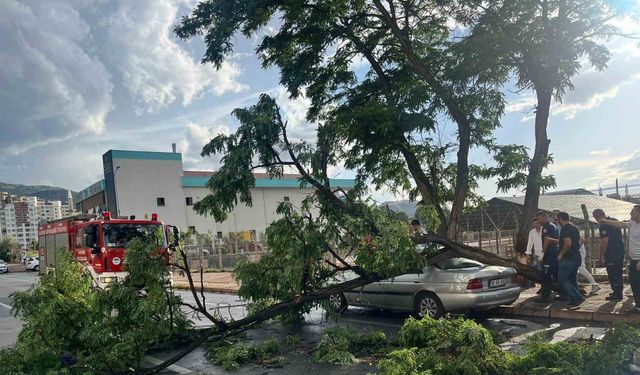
(98,242)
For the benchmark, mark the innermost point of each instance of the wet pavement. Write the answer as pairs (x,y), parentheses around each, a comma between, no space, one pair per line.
(299,359)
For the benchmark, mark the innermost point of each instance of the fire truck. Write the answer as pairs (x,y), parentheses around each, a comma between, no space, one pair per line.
(99,242)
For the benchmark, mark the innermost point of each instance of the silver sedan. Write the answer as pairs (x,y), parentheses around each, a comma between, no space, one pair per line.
(451,285)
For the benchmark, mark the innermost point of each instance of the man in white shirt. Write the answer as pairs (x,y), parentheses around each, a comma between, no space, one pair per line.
(634,251)
(534,244)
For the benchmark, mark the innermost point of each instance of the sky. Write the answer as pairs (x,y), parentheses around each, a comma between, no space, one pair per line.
(80,77)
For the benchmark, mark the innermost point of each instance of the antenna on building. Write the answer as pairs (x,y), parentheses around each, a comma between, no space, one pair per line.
(173,147)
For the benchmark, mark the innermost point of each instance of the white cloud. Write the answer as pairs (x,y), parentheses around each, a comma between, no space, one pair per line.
(294,112)
(154,67)
(196,136)
(603,152)
(52,86)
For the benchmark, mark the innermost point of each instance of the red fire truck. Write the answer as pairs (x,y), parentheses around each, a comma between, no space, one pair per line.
(98,242)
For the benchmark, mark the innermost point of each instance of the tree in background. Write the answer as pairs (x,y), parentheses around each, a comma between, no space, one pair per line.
(7,246)
(544,44)
(389,123)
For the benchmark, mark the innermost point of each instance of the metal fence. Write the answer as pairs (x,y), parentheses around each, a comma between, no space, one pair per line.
(222,253)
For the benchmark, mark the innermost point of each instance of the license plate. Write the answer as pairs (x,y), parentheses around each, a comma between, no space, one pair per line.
(498,282)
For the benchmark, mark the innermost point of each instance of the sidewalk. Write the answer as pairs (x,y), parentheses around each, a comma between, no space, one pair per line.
(216,282)
(595,309)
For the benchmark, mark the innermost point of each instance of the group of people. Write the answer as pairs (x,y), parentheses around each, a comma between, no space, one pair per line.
(556,248)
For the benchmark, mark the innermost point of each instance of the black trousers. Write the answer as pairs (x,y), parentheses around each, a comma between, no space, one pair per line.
(614,272)
(550,264)
(634,280)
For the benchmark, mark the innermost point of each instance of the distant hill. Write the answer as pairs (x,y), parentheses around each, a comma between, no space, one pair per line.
(405,206)
(48,193)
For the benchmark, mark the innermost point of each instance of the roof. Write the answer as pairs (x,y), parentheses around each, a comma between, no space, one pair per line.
(579,191)
(144,155)
(294,176)
(571,204)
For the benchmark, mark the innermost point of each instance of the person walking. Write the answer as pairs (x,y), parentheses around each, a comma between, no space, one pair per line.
(582,271)
(549,257)
(569,260)
(633,226)
(612,246)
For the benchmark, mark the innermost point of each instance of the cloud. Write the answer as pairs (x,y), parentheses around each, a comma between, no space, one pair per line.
(196,136)
(294,112)
(153,66)
(52,87)
(604,152)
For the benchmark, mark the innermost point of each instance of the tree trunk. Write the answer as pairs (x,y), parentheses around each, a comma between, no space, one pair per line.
(462,180)
(538,163)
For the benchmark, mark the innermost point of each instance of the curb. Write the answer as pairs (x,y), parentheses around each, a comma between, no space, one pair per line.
(209,289)
(577,315)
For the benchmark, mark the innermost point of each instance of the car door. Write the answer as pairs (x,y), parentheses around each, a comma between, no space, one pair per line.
(399,291)
(370,295)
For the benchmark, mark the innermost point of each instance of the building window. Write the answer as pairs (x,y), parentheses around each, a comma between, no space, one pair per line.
(160,201)
(189,201)
(219,235)
(192,229)
(286,199)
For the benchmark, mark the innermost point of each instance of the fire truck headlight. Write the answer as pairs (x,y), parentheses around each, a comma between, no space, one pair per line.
(107,280)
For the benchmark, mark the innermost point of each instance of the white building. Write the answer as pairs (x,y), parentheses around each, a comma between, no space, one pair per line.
(141,183)
(20,217)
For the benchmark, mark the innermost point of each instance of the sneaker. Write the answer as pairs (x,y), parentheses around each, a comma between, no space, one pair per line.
(595,288)
(613,297)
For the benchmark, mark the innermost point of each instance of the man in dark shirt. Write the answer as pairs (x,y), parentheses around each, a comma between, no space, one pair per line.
(550,255)
(612,245)
(569,260)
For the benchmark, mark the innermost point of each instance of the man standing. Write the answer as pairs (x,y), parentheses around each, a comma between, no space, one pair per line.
(634,252)
(550,255)
(569,260)
(534,245)
(612,246)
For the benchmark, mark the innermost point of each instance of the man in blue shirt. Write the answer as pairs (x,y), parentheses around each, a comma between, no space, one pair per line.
(612,245)
(550,255)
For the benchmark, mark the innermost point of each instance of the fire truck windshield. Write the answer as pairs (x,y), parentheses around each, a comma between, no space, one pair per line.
(119,235)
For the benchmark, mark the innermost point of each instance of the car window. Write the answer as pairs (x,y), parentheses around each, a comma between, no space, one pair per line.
(457,263)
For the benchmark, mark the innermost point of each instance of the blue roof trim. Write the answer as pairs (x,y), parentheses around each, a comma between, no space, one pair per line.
(145,155)
(199,181)
(92,190)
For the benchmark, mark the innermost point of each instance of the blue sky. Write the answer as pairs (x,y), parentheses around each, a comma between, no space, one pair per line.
(79,77)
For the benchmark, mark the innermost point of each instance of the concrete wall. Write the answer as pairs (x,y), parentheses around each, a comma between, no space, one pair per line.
(140,182)
(257,217)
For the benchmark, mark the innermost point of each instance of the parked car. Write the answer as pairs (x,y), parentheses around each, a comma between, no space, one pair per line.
(3,267)
(32,264)
(193,251)
(451,285)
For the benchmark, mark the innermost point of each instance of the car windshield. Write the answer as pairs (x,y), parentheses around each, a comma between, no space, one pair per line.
(458,263)
(119,235)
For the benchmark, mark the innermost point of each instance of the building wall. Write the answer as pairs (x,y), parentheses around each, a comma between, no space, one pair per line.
(139,182)
(243,218)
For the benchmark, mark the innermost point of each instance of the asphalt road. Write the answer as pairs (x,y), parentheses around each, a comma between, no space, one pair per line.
(11,283)
(298,360)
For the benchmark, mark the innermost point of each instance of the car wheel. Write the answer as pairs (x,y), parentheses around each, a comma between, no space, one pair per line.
(428,304)
(338,303)
(36,268)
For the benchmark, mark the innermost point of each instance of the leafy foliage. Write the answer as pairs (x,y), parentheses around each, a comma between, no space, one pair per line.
(461,346)
(340,345)
(232,355)
(6,245)
(68,323)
